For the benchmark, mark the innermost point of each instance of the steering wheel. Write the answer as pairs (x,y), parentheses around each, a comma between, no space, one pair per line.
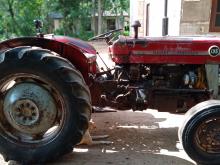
(107,36)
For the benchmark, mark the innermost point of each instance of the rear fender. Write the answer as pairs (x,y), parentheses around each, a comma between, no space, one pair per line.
(70,52)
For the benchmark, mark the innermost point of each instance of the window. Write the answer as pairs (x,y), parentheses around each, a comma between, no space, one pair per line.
(110,24)
(215,16)
(88,26)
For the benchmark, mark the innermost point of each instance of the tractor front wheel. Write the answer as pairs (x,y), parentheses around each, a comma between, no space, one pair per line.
(45,105)
(200,133)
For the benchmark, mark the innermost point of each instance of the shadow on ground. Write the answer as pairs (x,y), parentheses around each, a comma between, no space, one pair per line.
(139,138)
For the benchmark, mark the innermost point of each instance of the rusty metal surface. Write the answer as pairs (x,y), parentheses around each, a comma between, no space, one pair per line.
(32,109)
(207,136)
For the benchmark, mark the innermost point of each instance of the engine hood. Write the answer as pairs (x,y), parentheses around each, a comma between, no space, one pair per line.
(166,50)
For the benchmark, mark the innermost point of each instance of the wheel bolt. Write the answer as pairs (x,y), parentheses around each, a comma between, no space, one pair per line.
(18,111)
(22,106)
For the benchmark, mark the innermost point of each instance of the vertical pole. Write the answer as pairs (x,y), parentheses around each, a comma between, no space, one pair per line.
(165,8)
(93,24)
(99,16)
(165,20)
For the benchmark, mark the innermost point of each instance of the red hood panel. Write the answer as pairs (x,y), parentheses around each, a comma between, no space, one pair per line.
(176,50)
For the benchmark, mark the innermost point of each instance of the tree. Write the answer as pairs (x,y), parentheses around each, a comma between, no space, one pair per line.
(116,7)
(17,15)
(84,13)
(100,16)
(76,17)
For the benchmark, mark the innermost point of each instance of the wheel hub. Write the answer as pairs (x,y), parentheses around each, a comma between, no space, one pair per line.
(30,108)
(208,136)
(25,112)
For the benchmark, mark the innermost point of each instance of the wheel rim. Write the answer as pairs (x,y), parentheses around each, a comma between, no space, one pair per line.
(207,135)
(32,109)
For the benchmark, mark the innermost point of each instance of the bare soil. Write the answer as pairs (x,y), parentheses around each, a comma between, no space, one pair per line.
(139,138)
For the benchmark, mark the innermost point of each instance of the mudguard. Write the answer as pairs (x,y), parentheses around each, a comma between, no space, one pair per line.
(78,52)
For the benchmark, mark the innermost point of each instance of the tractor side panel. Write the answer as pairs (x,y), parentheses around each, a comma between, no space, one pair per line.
(164,51)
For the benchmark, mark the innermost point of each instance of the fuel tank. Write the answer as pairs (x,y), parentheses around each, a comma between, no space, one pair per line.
(166,50)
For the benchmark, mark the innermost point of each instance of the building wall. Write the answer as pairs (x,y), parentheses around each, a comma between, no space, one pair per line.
(174,12)
(120,21)
(156,14)
(195,17)
(186,17)
(56,24)
(137,13)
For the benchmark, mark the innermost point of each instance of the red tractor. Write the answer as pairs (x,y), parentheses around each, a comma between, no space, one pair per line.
(49,84)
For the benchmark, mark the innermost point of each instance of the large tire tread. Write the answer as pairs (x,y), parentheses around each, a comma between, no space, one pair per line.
(78,93)
(193,118)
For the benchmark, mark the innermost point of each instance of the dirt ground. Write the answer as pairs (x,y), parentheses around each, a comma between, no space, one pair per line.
(138,138)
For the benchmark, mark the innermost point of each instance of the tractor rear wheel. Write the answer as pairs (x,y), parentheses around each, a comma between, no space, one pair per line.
(45,105)
(200,133)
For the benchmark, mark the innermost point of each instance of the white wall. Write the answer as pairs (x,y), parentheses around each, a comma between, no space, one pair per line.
(174,14)
(156,15)
(133,10)
(137,13)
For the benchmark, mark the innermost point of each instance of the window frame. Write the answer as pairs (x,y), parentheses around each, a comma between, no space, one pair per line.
(212,27)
